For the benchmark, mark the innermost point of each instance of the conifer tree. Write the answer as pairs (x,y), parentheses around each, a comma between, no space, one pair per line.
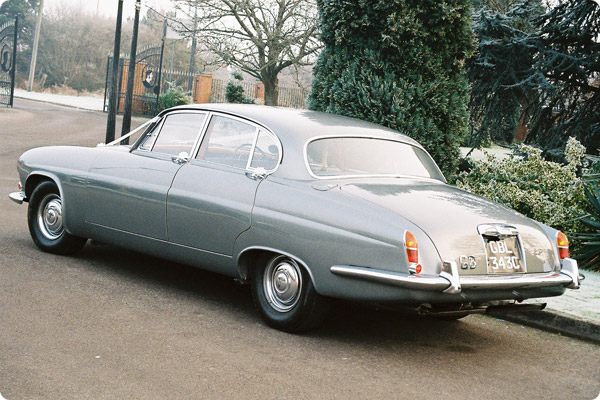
(398,63)
(539,66)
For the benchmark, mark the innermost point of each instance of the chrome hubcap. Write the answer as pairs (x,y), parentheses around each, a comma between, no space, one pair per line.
(282,283)
(50,217)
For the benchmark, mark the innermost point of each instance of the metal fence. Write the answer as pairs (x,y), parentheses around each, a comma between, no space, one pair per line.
(293,97)
(8,52)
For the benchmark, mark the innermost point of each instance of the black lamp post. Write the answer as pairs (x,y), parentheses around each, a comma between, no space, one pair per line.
(114,90)
(131,73)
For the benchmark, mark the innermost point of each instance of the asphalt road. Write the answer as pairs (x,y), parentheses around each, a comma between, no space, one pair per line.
(113,324)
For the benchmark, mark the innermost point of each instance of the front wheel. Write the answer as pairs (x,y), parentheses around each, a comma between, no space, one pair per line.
(45,220)
(285,296)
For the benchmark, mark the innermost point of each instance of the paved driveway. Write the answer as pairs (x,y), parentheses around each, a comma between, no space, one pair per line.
(114,324)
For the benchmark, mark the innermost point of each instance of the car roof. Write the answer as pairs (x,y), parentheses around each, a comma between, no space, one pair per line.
(301,124)
(295,127)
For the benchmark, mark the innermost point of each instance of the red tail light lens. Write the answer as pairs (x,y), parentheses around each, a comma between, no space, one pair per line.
(412,247)
(563,245)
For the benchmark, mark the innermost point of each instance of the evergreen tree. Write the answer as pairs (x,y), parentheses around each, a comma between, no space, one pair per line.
(234,91)
(504,58)
(567,73)
(540,67)
(398,63)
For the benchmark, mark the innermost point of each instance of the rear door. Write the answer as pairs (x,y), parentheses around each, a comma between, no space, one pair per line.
(128,189)
(211,199)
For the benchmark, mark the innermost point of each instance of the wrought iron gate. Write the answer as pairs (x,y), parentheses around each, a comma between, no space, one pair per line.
(146,87)
(8,55)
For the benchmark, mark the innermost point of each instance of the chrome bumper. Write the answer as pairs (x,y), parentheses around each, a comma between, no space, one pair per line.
(450,282)
(17,197)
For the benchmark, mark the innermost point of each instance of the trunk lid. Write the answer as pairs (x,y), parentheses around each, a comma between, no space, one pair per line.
(450,217)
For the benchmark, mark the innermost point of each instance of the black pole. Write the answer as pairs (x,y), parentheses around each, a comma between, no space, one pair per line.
(162,51)
(193,50)
(131,74)
(112,102)
(14,64)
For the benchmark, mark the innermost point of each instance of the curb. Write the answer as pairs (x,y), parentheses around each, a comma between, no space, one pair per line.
(557,322)
(58,103)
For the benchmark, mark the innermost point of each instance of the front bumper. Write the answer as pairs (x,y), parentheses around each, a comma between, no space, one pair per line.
(18,197)
(450,282)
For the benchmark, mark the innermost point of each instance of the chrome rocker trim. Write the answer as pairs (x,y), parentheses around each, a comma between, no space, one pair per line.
(17,197)
(450,282)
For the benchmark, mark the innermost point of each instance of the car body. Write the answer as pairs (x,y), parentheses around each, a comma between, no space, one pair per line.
(305,206)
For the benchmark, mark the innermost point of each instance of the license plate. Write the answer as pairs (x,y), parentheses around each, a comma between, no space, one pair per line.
(503,255)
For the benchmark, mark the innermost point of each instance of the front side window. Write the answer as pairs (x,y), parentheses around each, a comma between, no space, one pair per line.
(356,156)
(228,141)
(177,134)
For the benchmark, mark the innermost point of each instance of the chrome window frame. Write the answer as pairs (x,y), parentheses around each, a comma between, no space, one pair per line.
(356,136)
(160,125)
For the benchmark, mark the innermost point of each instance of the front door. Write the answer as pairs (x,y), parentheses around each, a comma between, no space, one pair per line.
(128,189)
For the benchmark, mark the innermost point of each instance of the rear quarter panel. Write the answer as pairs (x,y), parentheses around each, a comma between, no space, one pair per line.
(325,228)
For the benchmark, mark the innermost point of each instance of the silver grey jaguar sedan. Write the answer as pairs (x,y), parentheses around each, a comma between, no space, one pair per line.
(306,207)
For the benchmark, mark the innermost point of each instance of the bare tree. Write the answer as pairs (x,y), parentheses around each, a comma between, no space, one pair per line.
(260,37)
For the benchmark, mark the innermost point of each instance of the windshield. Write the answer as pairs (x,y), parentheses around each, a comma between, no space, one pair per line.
(356,156)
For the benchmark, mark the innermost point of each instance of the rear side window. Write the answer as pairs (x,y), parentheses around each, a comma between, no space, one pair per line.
(266,152)
(177,134)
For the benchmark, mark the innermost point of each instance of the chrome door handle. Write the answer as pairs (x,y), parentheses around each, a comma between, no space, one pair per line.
(181,158)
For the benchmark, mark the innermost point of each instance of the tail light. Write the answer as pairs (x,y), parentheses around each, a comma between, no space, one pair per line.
(412,252)
(563,245)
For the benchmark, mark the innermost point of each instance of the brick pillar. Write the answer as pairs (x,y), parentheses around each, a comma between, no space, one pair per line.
(202,88)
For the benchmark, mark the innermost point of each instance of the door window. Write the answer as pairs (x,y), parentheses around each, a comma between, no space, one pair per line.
(177,134)
(228,141)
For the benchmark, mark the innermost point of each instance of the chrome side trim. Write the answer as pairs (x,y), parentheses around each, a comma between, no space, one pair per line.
(435,283)
(17,197)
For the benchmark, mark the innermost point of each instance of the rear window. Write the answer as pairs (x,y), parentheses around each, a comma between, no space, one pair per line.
(357,156)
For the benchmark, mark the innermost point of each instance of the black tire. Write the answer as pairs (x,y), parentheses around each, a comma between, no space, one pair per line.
(285,296)
(44,217)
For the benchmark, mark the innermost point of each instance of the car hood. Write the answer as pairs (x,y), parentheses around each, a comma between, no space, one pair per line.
(450,217)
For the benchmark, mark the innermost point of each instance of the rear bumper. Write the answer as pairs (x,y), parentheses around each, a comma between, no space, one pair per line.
(450,282)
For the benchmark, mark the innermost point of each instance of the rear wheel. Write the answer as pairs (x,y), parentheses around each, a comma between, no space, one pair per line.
(285,296)
(45,220)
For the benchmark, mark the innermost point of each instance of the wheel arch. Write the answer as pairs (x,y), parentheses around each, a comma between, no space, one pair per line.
(248,258)
(35,178)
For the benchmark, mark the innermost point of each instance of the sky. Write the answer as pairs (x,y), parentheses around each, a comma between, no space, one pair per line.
(107,8)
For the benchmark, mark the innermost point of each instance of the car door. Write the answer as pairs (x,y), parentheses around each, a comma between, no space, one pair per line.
(210,201)
(128,189)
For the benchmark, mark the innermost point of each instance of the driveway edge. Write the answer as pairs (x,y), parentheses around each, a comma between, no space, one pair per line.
(557,322)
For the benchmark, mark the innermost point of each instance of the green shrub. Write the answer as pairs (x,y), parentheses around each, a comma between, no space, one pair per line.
(234,91)
(398,63)
(175,96)
(589,255)
(546,191)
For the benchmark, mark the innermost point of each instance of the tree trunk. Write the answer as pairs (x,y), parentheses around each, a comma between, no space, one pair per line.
(271,90)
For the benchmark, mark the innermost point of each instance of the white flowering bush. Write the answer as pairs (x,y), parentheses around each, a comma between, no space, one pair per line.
(545,191)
